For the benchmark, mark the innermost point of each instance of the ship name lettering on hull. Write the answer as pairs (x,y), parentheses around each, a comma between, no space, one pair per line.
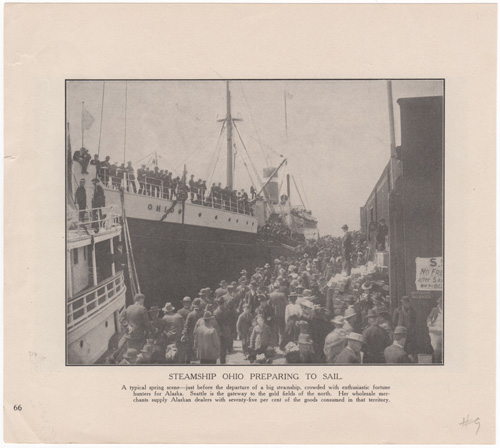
(158,208)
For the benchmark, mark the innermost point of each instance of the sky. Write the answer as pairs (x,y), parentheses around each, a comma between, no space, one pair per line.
(336,136)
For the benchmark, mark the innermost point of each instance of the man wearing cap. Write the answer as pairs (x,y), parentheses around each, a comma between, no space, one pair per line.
(206,341)
(351,320)
(223,318)
(405,316)
(376,339)
(136,322)
(335,341)
(278,301)
(189,325)
(395,353)
(347,249)
(186,308)
(352,353)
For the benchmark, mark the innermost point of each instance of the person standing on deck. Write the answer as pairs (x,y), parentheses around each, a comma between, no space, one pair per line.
(81,199)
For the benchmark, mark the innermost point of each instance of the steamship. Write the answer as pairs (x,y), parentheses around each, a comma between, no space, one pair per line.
(183,243)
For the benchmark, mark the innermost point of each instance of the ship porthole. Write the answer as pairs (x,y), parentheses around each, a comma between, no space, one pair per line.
(229,220)
(216,216)
(199,215)
(81,343)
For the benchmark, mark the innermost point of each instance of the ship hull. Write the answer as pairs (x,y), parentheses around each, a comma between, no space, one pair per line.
(177,260)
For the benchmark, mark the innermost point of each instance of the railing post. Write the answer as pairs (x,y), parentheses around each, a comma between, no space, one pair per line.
(94,267)
(112,250)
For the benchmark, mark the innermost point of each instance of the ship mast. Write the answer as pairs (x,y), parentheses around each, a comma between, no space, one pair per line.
(229,124)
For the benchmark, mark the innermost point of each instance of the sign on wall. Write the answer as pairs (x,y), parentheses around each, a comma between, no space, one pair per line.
(429,274)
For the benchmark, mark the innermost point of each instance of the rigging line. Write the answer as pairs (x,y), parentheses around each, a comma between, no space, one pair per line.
(125,136)
(215,165)
(140,160)
(248,155)
(297,188)
(254,125)
(270,148)
(102,113)
(190,153)
(216,153)
(305,192)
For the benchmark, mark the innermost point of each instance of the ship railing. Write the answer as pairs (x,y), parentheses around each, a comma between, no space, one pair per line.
(157,188)
(80,222)
(86,305)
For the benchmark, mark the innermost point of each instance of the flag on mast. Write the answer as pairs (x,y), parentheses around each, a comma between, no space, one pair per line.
(87,119)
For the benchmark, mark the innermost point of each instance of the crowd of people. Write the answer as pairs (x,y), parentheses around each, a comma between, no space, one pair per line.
(280,311)
(162,183)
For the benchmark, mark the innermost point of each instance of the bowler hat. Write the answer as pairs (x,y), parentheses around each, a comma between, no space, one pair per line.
(186,299)
(356,337)
(372,313)
(197,303)
(350,312)
(208,315)
(344,226)
(153,309)
(400,330)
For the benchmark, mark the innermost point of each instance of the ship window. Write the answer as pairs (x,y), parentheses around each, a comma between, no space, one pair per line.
(85,253)
(229,219)
(237,221)
(81,343)
(253,223)
(180,211)
(75,256)
(199,214)
(106,324)
(247,223)
(216,216)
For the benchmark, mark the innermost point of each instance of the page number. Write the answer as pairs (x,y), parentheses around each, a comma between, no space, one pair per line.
(18,407)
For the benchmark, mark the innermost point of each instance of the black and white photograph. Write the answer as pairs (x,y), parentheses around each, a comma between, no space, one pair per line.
(254,222)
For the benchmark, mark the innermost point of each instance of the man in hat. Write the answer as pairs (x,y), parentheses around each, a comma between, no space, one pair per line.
(83,157)
(251,296)
(307,295)
(232,304)
(382,233)
(347,249)
(244,328)
(174,324)
(335,340)
(223,318)
(292,308)
(189,325)
(376,339)
(130,357)
(158,324)
(222,289)
(186,308)
(130,177)
(144,356)
(136,321)
(278,301)
(141,173)
(352,322)
(352,353)
(207,301)
(98,200)
(260,338)
(406,316)
(81,199)
(395,353)
(435,325)
(206,341)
